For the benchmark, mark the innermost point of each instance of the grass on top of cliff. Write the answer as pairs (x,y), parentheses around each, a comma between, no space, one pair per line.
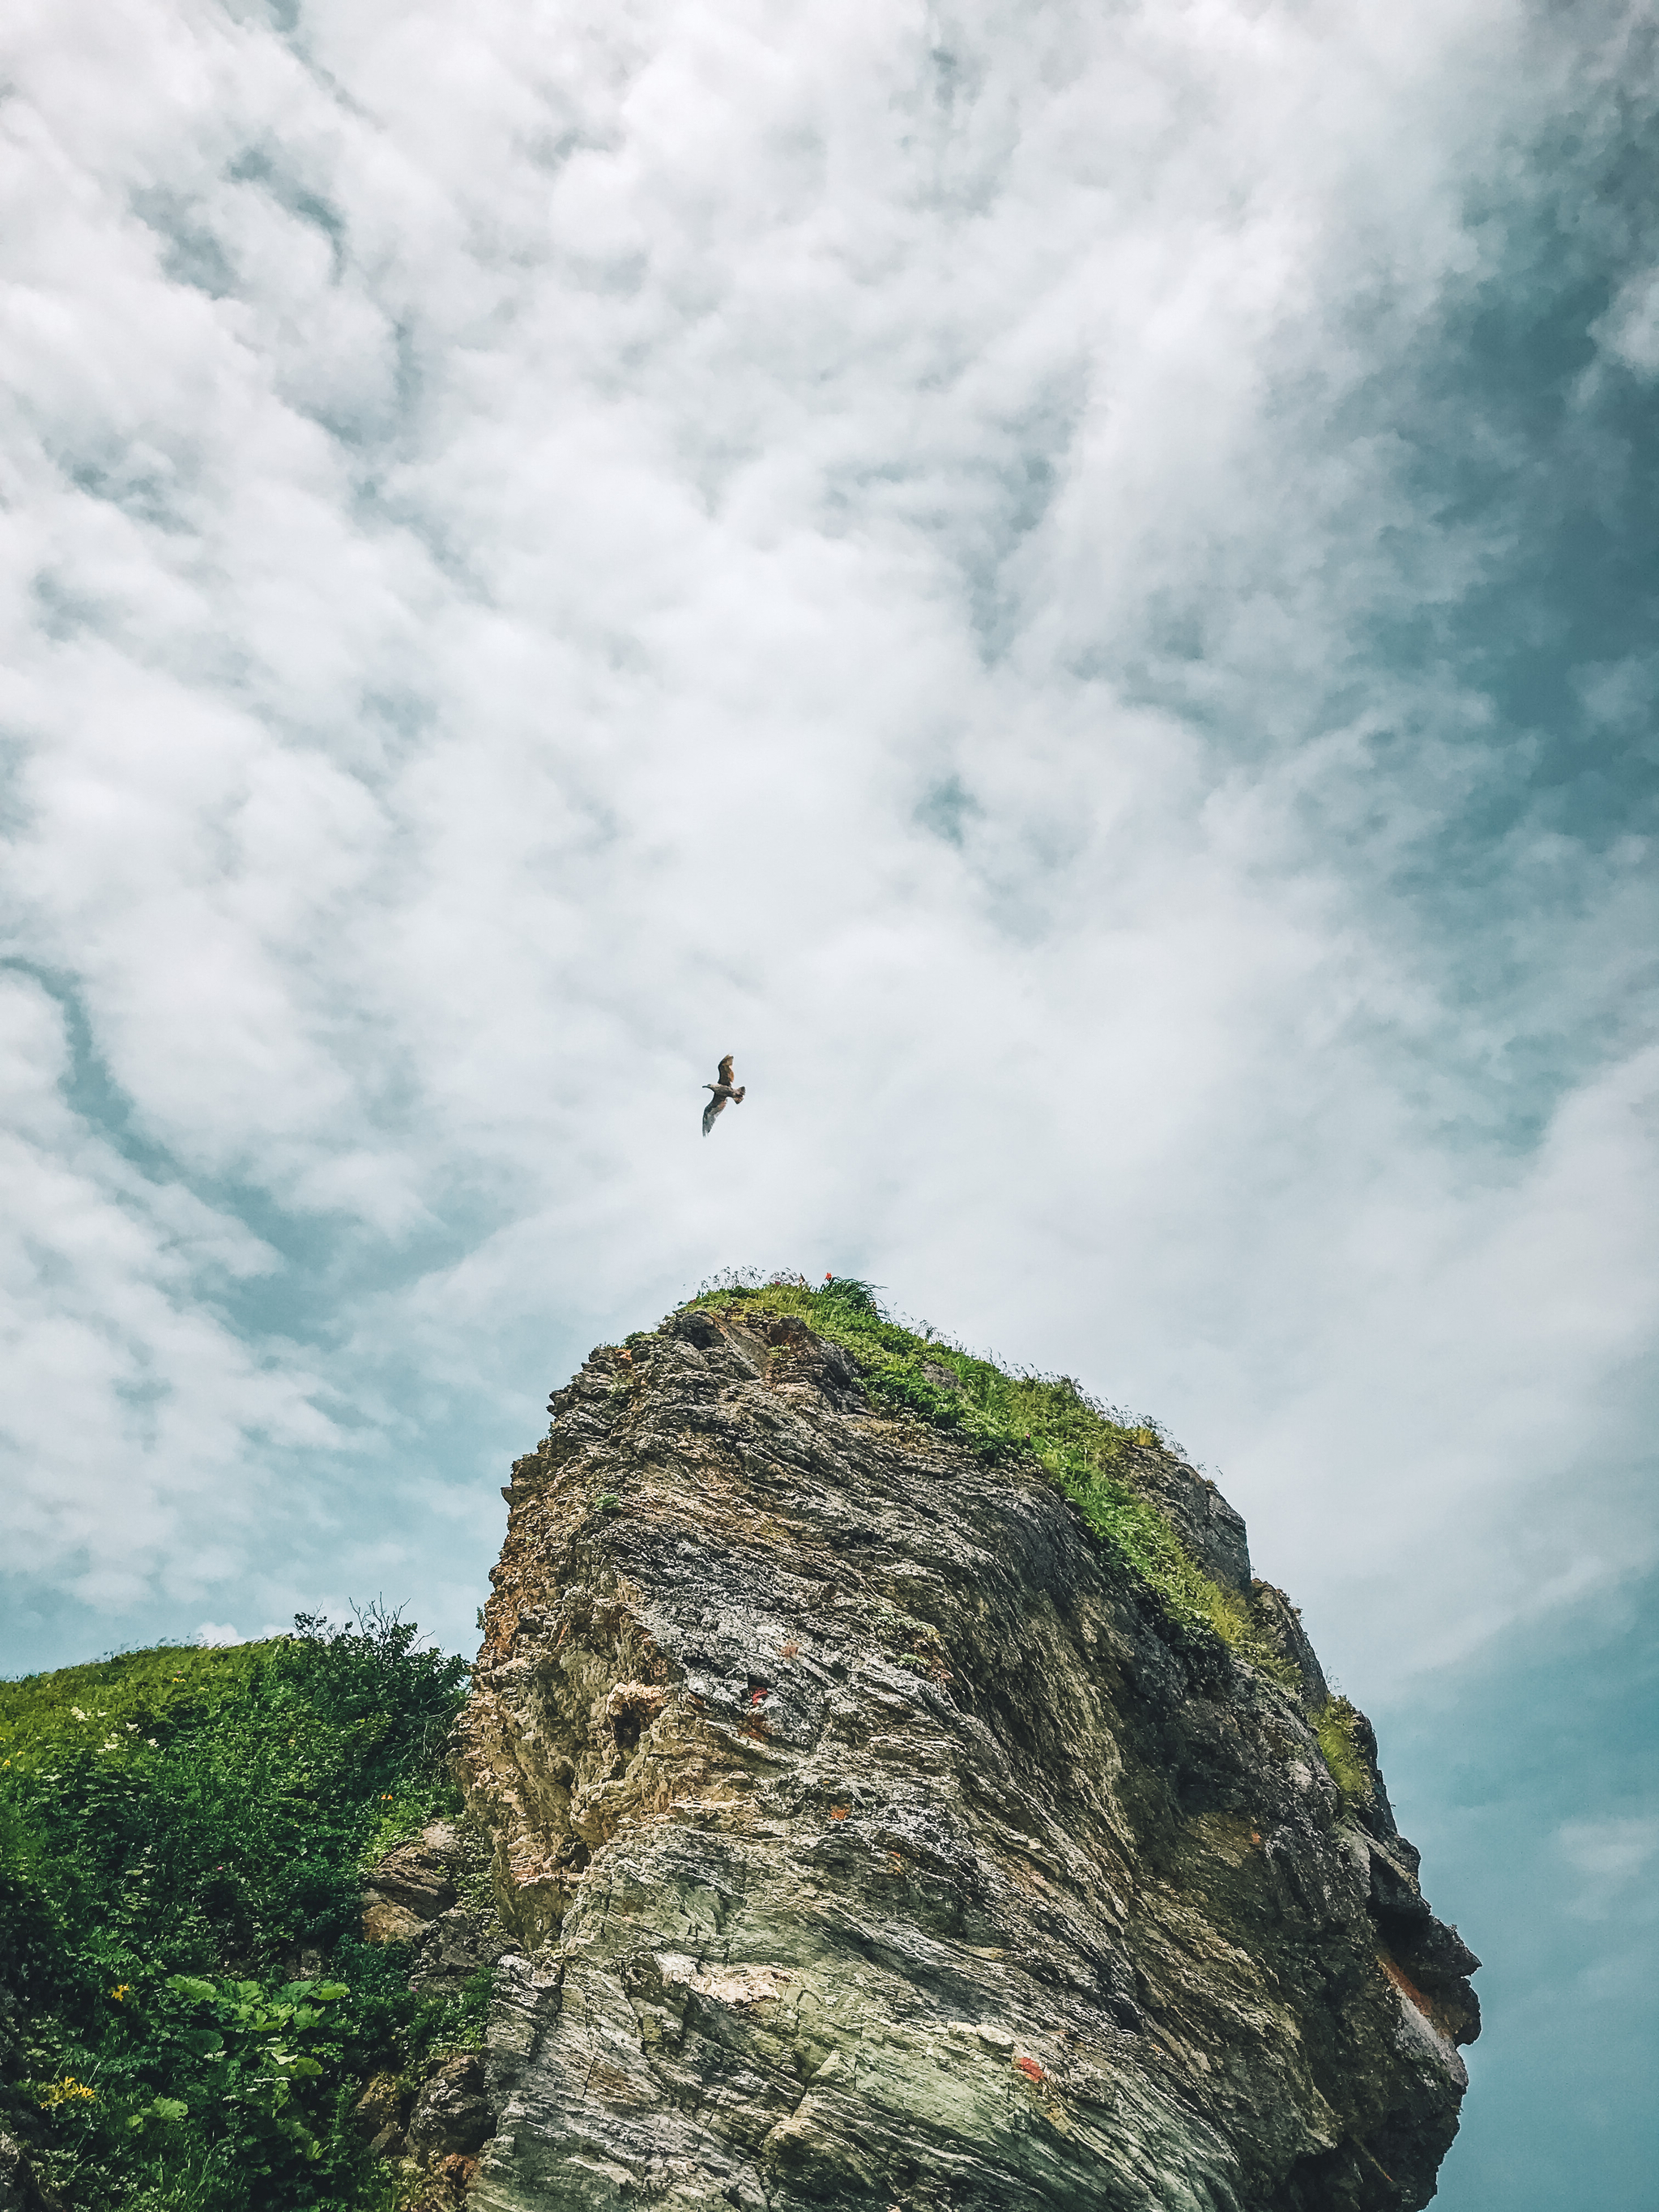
(1088,1450)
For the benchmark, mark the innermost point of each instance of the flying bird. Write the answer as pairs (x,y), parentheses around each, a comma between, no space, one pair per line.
(723,1090)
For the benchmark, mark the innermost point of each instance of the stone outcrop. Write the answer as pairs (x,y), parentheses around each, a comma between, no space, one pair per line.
(21,2188)
(869,1836)
(411,1886)
(426,1895)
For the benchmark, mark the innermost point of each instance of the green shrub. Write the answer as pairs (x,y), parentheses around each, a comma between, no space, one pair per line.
(181,1835)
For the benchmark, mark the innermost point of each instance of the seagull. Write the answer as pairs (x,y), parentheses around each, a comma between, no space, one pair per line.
(723,1090)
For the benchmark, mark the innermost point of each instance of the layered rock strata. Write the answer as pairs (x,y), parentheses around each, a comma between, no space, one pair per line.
(871,1837)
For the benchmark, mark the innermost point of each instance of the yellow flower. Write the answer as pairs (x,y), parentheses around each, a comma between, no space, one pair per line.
(120,1990)
(65,2092)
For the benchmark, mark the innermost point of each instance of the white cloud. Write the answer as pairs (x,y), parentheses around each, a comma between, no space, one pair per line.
(213,1633)
(547,544)
(127,1446)
(1613,1856)
(1630,329)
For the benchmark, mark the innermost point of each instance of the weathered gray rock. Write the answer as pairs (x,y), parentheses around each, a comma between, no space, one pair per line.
(379,2113)
(1275,1615)
(410,1885)
(452,2113)
(22,2189)
(871,1838)
(1210,1529)
(413,1894)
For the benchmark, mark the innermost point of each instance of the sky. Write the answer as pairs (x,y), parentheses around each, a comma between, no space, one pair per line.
(1076,587)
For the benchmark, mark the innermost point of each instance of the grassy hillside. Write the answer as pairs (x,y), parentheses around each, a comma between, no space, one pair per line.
(186,2012)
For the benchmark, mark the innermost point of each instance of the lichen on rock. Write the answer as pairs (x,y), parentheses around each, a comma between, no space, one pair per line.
(872,1834)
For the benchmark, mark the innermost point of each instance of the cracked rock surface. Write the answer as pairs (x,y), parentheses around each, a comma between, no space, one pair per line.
(869,1837)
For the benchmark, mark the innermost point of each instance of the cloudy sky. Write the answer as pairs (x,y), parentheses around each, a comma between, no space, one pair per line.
(1074,585)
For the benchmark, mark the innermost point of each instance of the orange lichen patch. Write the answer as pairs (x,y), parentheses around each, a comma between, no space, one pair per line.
(1408,1989)
(634,1700)
(839,1812)
(457,2173)
(1028,2067)
(1404,1983)
(611,2086)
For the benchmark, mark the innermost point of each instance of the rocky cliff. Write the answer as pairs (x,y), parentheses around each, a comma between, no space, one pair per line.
(872,1833)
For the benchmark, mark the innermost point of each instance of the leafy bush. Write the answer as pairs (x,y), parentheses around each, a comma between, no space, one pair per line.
(1091,1451)
(181,1835)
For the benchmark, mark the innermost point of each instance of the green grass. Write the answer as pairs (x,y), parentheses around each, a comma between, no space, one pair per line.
(1335,1725)
(1092,1452)
(133,1693)
(181,1835)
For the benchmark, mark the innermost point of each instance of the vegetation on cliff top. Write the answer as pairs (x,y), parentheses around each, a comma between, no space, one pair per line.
(1337,1724)
(186,2011)
(1088,1450)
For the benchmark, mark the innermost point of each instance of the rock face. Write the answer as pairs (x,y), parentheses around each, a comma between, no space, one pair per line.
(20,2189)
(872,1838)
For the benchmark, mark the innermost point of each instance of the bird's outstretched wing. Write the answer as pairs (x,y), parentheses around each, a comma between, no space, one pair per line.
(709,1112)
(723,1072)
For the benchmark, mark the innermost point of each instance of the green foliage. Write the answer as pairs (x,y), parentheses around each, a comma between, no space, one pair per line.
(1095,1453)
(245,2057)
(125,1696)
(471,2014)
(1336,1725)
(181,1833)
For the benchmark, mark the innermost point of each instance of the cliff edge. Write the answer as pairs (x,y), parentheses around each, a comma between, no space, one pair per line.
(885,1820)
